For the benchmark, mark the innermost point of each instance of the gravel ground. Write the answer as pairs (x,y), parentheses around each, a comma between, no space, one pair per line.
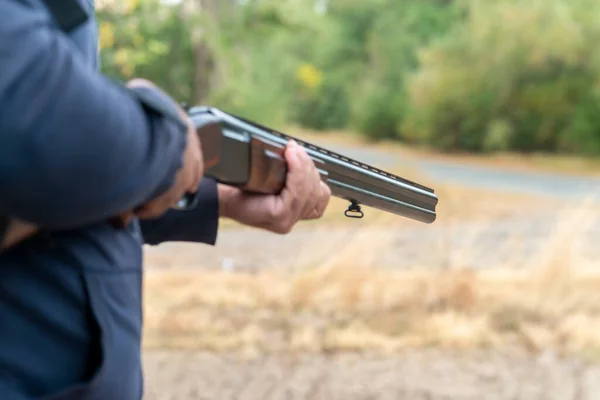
(414,375)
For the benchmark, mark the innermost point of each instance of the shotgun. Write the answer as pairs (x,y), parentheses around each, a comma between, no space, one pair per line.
(242,153)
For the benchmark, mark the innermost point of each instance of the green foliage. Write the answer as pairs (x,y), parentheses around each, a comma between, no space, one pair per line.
(148,41)
(395,33)
(324,108)
(466,75)
(379,113)
(515,75)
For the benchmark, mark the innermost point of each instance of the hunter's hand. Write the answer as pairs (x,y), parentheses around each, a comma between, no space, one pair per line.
(304,197)
(187,180)
(17,231)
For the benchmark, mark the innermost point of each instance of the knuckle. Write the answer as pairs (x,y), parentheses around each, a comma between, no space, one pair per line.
(314,205)
(191,182)
(285,225)
(148,214)
(301,151)
(276,214)
(149,208)
(323,209)
(277,228)
(320,211)
(286,228)
(281,231)
(295,203)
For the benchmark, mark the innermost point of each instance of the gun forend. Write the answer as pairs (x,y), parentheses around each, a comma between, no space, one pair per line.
(245,154)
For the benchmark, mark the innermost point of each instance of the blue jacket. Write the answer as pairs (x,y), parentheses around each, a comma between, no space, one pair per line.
(75,149)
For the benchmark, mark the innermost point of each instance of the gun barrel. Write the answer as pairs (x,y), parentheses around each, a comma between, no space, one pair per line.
(355,181)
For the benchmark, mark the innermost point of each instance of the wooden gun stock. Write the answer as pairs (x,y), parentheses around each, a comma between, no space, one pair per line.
(241,153)
(257,165)
(268,167)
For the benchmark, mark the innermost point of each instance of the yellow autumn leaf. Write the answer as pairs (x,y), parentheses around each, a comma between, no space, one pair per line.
(131,6)
(106,35)
(124,58)
(309,76)
(127,70)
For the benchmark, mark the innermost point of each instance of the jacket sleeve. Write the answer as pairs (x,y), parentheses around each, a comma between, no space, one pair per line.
(75,148)
(198,225)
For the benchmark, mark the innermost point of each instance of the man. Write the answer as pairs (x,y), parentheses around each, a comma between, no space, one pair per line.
(77,153)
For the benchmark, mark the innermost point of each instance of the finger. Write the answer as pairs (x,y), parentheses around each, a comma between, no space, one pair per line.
(319,208)
(317,190)
(155,209)
(198,167)
(17,231)
(313,174)
(152,210)
(325,197)
(198,175)
(296,185)
(326,190)
(140,82)
(161,204)
(122,220)
(307,170)
(190,175)
(311,198)
(193,178)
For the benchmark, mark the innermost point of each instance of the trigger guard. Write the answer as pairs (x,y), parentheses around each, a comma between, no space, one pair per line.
(187,202)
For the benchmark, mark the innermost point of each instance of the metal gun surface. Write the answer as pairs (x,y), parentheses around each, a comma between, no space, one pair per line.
(236,143)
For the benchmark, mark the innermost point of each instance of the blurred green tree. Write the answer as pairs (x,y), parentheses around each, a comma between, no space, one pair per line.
(452,74)
(516,75)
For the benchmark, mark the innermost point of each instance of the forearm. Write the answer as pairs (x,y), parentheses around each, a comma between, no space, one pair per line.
(74,147)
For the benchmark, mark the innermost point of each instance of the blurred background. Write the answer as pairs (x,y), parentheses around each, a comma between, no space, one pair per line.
(494,104)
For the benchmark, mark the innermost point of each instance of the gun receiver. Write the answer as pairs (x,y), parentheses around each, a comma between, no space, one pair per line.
(247,155)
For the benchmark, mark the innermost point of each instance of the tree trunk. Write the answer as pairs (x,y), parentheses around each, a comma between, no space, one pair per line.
(203,70)
(209,73)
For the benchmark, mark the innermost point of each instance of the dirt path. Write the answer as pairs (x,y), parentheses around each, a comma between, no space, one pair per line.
(438,171)
(480,175)
(415,375)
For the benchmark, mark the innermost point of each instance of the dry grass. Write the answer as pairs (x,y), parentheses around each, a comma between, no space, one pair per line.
(348,303)
(343,305)
(346,308)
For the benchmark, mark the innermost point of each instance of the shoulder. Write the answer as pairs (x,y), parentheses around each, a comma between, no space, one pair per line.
(85,36)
